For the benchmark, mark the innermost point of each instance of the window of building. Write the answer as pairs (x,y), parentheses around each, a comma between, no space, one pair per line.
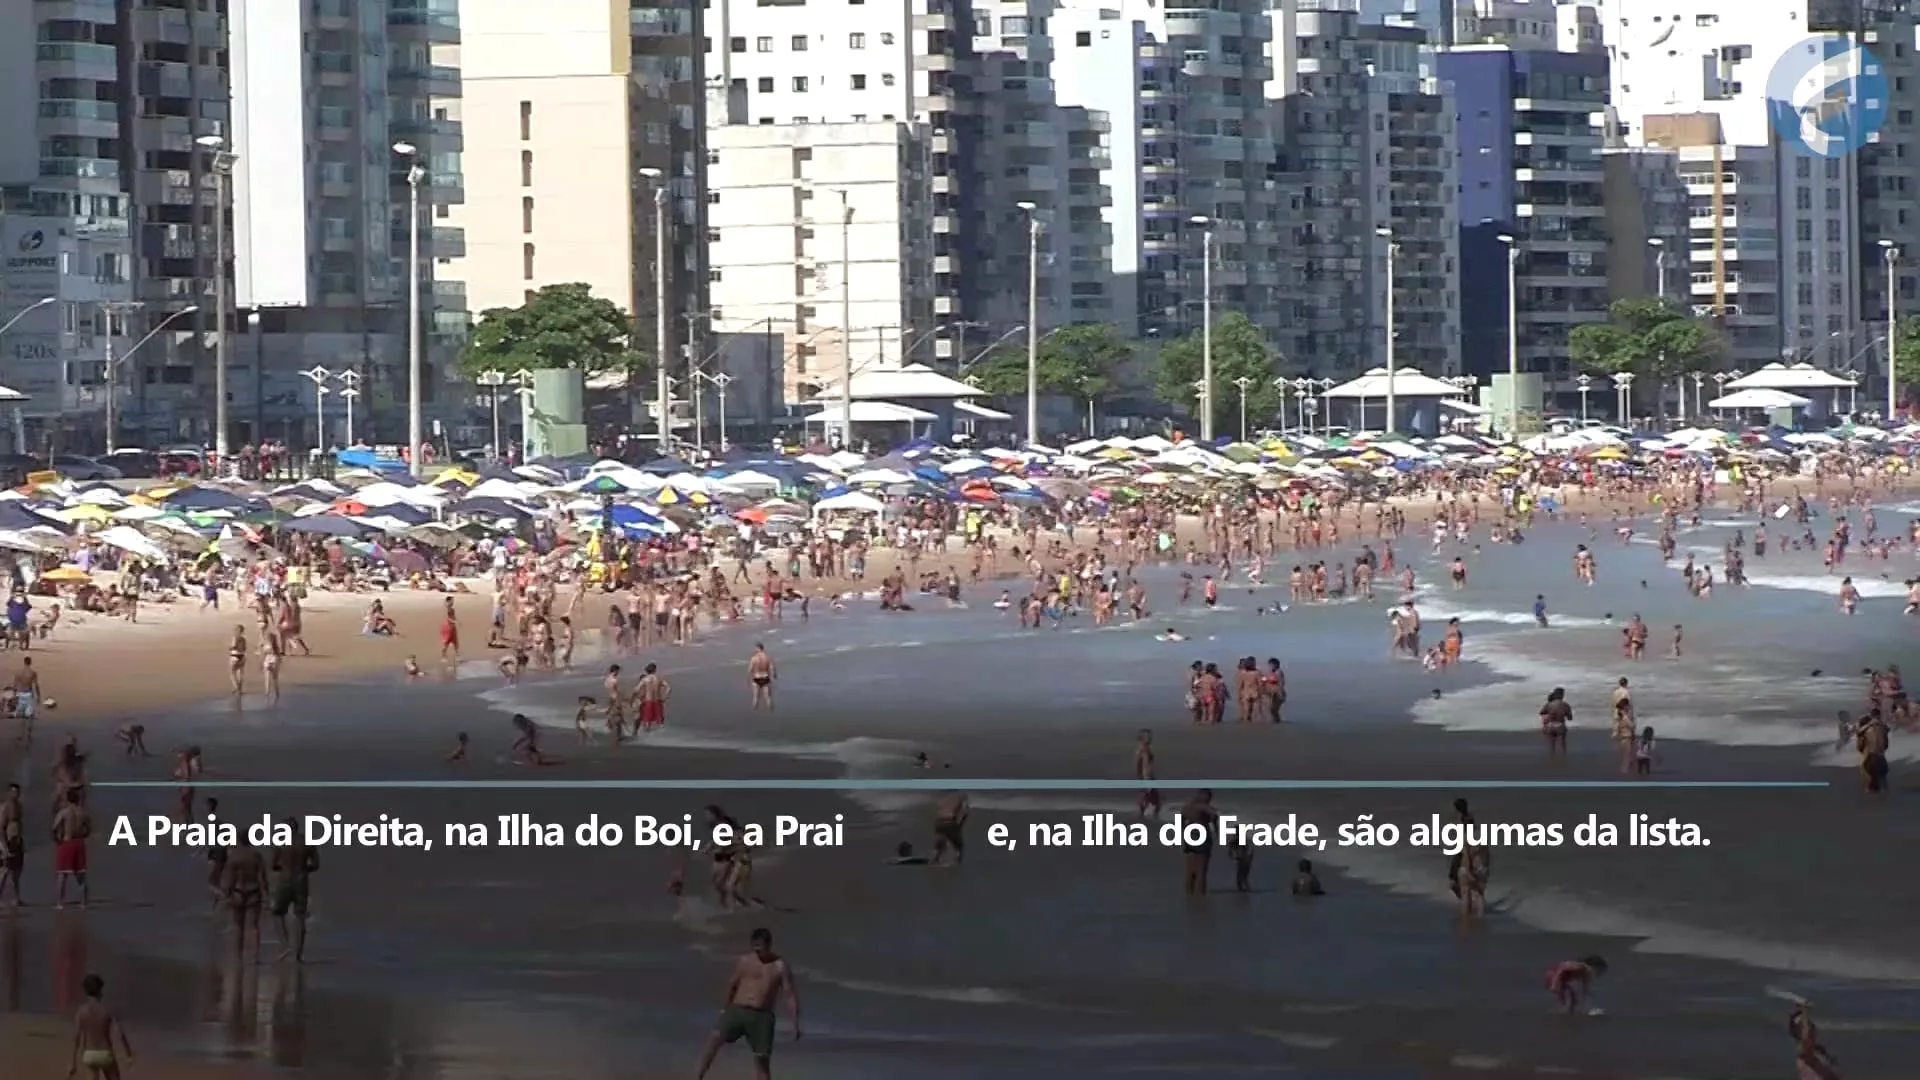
(713,275)
(526,262)
(799,84)
(737,45)
(765,84)
(526,168)
(859,82)
(886,39)
(763,44)
(526,214)
(856,41)
(799,43)
(1013,26)
(886,79)
(713,237)
(1083,38)
(526,120)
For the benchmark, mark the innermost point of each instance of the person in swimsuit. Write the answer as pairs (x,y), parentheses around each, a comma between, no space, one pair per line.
(1570,980)
(1199,856)
(293,868)
(26,698)
(1555,716)
(95,1032)
(1812,1060)
(1143,769)
(728,857)
(245,884)
(651,694)
(237,661)
(761,673)
(449,634)
(71,829)
(758,978)
(13,845)
(950,828)
(1273,688)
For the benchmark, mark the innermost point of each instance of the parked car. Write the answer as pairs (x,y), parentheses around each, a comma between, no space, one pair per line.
(133,462)
(78,467)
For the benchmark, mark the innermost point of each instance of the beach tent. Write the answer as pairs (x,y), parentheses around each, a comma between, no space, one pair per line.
(855,501)
(130,540)
(1759,399)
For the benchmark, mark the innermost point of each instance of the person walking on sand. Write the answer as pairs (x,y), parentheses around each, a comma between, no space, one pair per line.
(760,672)
(747,1013)
(26,698)
(95,1032)
(449,634)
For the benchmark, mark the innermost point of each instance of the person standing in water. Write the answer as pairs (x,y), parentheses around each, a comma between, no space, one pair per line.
(747,1013)
(1143,770)
(761,673)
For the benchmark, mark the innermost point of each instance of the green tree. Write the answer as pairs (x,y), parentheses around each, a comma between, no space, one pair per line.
(1906,358)
(1653,340)
(560,326)
(1240,351)
(1078,361)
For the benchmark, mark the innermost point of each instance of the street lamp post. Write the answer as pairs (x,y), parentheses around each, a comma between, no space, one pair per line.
(1393,251)
(222,161)
(1313,409)
(1623,390)
(1852,375)
(662,392)
(1302,390)
(1585,383)
(1660,256)
(1699,395)
(1891,252)
(415,436)
(493,380)
(1033,322)
(349,390)
(1721,379)
(319,377)
(1513,333)
(1206,326)
(524,389)
(719,379)
(1244,384)
(114,361)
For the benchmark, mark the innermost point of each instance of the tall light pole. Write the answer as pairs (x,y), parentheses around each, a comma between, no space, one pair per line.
(1033,323)
(1386,233)
(114,361)
(350,389)
(221,160)
(415,174)
(1206,326)
(1244,384)
(719,379)
(846,320)
(319,376)
(1513,334)
(1660,256)
(1623,389)
(663,391)
(493,380)
(1891,252)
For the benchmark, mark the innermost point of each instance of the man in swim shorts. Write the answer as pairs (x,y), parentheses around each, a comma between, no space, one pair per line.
(650,696)
(760,673)
(757,979)
(950,828)
(293,868)
(71,828)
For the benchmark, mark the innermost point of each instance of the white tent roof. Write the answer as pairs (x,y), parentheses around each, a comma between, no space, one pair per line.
(867,412)
(981,411)
(1759,399)
(1407,382)
(852,500)
(1783,377)
(908,383)
(9,394)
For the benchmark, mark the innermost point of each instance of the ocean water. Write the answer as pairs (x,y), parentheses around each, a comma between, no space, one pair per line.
(1088,960)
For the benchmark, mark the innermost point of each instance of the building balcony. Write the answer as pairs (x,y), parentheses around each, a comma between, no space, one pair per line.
(77,59)
(433,22)
(81,167)
(424,80)
(431,136)
(84,117)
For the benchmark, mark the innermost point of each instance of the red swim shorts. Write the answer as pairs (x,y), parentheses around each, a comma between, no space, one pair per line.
(70,857)
(653,713)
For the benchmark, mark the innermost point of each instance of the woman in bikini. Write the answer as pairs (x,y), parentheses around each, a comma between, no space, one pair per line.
(270,667)
(237,660)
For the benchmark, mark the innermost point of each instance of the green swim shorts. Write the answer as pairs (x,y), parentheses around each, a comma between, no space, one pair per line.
(754,1025)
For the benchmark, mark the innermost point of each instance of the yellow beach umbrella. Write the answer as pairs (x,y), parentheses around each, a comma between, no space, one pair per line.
(1611,453)
(86,512)
(456,476)
(671,496)
(67,575)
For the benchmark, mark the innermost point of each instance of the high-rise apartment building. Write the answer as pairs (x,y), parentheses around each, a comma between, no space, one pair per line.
(1190,149)
(816,227)
(1778,238)
(1531,126)
(577,114)
(846,62)
(305,101)
(1370,142)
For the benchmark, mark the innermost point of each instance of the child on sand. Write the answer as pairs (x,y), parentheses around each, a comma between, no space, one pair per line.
(1571,980)
(95,1032)
(413,668)
(134,736)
